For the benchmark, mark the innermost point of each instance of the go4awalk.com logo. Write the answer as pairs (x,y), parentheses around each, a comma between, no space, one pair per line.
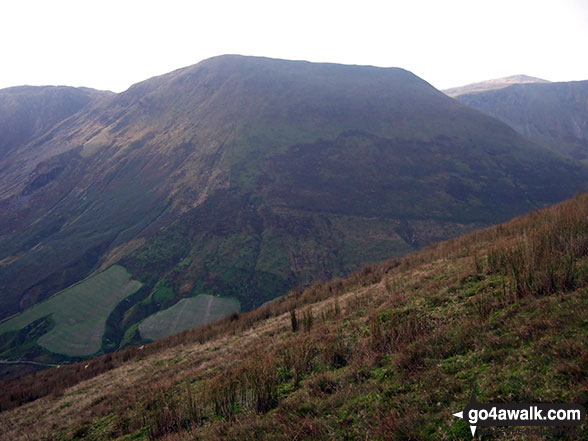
(477,414)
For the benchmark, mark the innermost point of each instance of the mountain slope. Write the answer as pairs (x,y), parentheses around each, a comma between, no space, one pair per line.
(498,83)
(29,111)
(242,177)
(554,115)
(389,353)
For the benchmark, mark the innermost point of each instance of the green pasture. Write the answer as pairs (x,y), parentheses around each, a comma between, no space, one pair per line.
(186,314)
(79,312)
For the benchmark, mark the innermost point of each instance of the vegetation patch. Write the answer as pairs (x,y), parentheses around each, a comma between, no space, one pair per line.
(187,313)
(79,313)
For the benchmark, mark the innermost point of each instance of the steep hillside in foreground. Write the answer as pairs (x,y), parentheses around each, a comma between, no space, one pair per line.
(242,177)
(554,115)
(498,83)
(387,354)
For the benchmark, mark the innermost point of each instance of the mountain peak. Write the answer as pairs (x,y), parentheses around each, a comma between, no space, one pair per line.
(496,83)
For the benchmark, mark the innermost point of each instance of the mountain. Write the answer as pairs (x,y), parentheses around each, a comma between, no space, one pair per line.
(389,353)
(495,84)
(218,187)
(29,111)
(554,115)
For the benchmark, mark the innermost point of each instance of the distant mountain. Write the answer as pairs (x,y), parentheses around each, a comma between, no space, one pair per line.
(29,111)
(552,114)
(495,84)
(243,177)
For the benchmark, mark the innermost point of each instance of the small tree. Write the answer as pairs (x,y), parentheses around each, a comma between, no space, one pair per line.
(307,320)
(293,320)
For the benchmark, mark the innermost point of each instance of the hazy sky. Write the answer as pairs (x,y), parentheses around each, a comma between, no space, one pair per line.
(112,44)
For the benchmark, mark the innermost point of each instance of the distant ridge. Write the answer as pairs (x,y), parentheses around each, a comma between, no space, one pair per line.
(497,83)
(29,111)
(554,115)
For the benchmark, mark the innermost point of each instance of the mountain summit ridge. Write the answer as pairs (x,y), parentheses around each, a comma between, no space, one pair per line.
(493,84)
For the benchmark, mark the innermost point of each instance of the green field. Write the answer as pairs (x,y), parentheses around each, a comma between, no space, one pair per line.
(79,312)
(186,314)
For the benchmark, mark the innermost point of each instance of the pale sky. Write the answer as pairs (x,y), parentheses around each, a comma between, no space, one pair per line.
(111,44)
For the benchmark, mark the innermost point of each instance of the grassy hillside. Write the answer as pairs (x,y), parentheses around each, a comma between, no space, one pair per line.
(386,354)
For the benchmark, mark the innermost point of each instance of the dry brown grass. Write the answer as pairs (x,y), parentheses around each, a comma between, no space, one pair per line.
(149,370)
